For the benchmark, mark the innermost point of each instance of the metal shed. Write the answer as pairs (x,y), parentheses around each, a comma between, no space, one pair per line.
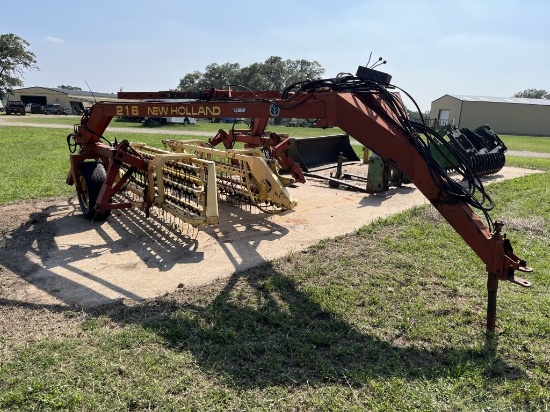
(74,99)
(505,115)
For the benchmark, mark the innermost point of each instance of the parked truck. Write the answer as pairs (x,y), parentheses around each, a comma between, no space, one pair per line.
(15,107)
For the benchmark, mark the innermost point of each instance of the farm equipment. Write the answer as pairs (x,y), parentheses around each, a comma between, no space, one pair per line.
(321,152)
(242,174)
(483,148)
(183,178)
(380,176)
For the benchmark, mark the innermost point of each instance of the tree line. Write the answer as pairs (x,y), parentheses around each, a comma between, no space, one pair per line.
(15,58)
(533,94)
(272,74)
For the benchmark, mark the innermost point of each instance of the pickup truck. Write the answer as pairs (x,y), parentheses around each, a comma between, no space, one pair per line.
(14,107)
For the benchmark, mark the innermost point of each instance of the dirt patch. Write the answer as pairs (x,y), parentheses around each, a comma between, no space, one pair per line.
(51,256)
(27,313)
(16,223)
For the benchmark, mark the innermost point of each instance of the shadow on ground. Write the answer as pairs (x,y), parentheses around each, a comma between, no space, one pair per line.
(259,330)
(32,252)
(82,263)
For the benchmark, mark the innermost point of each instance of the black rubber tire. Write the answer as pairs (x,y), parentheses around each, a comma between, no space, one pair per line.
(186,121)
(93,175)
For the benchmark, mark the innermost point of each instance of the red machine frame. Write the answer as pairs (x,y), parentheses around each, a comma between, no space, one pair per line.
(367,118)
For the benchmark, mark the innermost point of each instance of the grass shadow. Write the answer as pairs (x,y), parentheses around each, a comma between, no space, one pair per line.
(259,330)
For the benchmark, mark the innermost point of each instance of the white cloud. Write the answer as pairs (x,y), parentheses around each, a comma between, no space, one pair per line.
(51,39)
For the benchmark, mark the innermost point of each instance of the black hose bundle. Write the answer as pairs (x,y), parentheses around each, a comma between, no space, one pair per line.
(464,184)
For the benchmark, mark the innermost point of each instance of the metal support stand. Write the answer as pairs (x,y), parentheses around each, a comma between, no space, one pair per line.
(334,182)
(492,287)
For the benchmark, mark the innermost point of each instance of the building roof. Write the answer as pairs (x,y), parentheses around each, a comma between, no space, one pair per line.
(80,93)
(516,100)
(83,93)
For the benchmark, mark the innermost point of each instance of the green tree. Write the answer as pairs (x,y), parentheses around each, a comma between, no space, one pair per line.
(302,69)
(533,94)
(273,74)
(220,75)
(15,58)
(190,81)
(415,115)
(67,87)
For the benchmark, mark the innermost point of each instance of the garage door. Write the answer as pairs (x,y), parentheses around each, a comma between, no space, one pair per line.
(41,100)
(443,117)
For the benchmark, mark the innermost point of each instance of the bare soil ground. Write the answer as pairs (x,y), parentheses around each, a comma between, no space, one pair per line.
(51,257)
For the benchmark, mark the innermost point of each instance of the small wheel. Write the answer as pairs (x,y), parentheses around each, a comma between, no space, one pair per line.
(186,121)
(91,175)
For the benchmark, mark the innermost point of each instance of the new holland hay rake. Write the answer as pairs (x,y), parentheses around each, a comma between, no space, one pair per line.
(184,181)
(180,178)
(244,175)
(178,183)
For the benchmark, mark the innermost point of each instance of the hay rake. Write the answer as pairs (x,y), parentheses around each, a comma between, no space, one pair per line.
(178,183)
(185,180)
(243,175)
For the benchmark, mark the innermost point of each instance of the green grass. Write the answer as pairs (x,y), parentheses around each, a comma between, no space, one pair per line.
(527,162)
(35,161)
(387,318)
(207,127)
(527,143)
(45,164)
(292,131)
(65,120)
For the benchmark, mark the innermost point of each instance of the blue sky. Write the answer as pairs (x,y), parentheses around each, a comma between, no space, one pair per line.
(433,48)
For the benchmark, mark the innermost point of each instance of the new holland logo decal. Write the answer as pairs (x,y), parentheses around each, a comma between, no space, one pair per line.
(274,110)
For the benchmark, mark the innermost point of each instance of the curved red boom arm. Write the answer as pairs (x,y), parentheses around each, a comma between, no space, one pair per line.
(367,119)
